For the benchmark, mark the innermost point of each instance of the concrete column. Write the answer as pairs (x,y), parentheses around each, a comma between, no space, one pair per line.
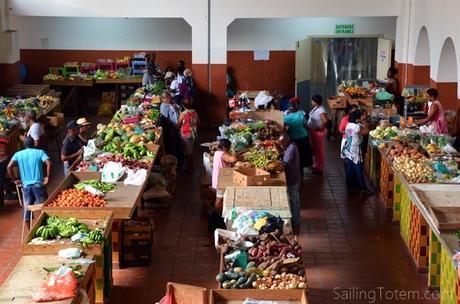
(9,52)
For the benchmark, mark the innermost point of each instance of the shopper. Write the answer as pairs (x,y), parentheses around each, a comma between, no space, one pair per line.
(317,122)
(169,78)
(296,123)
(291,162)
(4,141)
(436,116)
(36,130)
(32,178)
(188,125)
(181,65)
(186,87)
(351,152)
(169,119)
(344,122)
(222,159)
(174,87)
(392,87)
(83,131)
(72,146)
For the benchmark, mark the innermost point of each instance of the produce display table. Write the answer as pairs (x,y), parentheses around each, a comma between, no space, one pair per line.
(27,90)
(414,209)
(117,83)
(69,83)
(271,199)
(29,275)
(226,179)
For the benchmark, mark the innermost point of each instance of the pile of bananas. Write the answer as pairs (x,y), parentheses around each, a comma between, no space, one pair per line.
(94,237)
(57,227)
(433,149)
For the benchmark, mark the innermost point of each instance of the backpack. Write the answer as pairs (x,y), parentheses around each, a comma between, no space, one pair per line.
(186,87)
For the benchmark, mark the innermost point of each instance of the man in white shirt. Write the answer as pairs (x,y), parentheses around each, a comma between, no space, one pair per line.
(36,130)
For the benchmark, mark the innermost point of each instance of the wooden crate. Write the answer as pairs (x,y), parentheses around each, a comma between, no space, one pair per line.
(83,216)
(251,177)
(28,275)
(234,296)
(137,232)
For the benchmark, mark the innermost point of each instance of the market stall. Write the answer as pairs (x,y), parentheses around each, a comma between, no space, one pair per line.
(419,186)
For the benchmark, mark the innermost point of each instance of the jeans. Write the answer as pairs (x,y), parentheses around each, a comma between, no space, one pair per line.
(294,201)
(33,194)
(66,169)
(355,175)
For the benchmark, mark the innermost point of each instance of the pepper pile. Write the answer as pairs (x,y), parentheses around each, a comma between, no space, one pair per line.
(77,198)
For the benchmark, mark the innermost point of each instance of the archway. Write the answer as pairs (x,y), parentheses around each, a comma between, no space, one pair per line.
(422,59)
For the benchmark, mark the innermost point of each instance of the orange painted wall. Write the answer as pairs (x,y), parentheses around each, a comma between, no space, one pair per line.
(415,74)
(278,73)
(9,76)
(38,61)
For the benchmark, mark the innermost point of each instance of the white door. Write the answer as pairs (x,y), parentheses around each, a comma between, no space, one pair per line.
(302,69)
(384,49)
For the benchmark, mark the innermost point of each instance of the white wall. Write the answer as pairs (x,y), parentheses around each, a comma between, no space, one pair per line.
(282,33)
(440,18)
(102,33)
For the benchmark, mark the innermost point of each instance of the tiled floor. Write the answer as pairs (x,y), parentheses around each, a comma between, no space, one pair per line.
(348,246)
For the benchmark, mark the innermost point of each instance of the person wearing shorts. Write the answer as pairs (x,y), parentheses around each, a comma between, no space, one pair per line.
(31,176)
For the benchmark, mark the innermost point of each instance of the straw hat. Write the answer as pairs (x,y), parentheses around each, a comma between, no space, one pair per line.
(82,122)
(170,75)
(187,73)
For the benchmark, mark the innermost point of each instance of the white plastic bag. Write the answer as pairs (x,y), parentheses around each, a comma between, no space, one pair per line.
(135,178)
(90,149)
(112,172)
(94,191)
(69,253)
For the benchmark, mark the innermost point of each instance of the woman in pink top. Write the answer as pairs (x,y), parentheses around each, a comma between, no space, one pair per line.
(436,116)
(222,159)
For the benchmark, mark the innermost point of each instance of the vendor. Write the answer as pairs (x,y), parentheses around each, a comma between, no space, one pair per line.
(222,159)
(31,176)
(84,129)
(392,87)
(153,68)
(169,118)
(36,130)
(72,146)
(436,116)
(296,123)
(291,162)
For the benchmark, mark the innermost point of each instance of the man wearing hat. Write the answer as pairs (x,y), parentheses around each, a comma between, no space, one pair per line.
(72,146)
(84,129)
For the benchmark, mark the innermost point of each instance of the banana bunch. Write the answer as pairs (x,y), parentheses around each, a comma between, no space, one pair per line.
(47,232)
(433,149)
(94,237)
(9,112)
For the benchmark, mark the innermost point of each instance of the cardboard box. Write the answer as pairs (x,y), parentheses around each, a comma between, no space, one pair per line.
(109,97)
(251,177)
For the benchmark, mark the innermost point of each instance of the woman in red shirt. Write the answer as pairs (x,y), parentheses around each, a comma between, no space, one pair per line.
(188,124)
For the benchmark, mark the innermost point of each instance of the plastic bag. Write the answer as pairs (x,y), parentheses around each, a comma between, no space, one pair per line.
(59,285)
(112,172)
(135,178)
(69,253)
(90,149)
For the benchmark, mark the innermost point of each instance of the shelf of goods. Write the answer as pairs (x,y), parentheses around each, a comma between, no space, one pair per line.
(428,213)
(40,242)
(415,103)
(131,139)
(29,275)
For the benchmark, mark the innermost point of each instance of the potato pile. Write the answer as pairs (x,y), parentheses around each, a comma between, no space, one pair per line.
(415,170)
(275,262)
(395,149)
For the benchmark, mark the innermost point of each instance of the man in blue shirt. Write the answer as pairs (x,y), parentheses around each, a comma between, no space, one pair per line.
(30,163)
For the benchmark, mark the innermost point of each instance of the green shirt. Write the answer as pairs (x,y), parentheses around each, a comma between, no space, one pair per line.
(296,122)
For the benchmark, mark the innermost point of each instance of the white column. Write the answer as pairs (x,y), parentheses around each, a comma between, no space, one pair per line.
(9,52)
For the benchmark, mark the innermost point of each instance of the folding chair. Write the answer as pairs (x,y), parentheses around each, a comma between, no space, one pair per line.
(31,208)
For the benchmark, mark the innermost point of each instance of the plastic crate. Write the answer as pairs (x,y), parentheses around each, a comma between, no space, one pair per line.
(105,64)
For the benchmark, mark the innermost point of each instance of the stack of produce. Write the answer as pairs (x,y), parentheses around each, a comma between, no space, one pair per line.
(416,170)
(410,149)
(58,228)
(99,161)
(274,262)
(77,198)
(388,133)
(98,185)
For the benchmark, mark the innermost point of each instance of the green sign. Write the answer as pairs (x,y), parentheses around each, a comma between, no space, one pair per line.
(344,29)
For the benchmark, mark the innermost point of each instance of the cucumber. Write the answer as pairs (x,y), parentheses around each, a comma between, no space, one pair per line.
(228,284)
(221,278)
(248,283)
(242,274)
(232,275)
(240,282)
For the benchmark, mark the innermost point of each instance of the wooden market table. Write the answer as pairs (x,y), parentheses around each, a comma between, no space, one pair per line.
(29,275)
(226,179)
(28,90)
(117,83)
(271,199)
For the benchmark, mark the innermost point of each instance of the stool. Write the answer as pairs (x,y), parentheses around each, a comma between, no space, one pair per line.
(31,208)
